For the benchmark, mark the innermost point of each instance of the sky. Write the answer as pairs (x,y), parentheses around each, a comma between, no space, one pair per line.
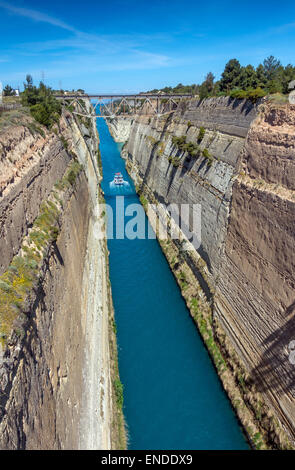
(116,46)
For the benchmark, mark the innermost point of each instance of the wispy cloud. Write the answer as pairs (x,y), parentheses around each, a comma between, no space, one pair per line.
(36,16)
(91,53)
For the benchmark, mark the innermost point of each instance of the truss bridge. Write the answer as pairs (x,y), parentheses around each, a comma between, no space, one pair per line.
(114,105)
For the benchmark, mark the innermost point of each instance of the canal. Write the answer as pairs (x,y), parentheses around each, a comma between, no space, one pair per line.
(173,398)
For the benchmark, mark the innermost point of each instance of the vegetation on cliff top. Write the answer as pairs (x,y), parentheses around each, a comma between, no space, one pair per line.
(242,82)
(44,107)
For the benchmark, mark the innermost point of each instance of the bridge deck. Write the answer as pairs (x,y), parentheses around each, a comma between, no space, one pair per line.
(129,96)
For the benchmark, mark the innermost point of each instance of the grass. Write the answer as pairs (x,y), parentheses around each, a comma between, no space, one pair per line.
(143,201)
(14,117)
(99,161)
(118,386)
(179,141)
(278,98)
(208,156)
(152,140)
(21,117)
(70,176)
(64,142)
(11,99)
(201,134)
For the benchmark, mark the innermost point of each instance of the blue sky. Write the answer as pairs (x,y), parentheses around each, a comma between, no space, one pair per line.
(129,46)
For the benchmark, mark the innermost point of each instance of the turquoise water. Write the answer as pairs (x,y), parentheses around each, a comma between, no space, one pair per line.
(172,396)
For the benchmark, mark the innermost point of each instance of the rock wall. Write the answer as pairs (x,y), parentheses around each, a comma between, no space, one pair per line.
(120,128)
(193,181)
(247,198)
(30,164)
(42,387)
(255,292)
(55,379)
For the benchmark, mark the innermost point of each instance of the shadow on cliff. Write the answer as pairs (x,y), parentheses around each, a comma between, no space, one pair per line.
(187,165)
(57,254)
(275,371)
(246,108)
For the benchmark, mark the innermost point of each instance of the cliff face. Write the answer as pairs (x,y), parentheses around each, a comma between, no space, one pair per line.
(120,128)
(55,368)
(193,181)
(41,375)
(255,291)
(30,164)
(247,251)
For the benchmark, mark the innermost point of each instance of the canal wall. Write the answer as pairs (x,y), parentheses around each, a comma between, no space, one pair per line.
(58,349)
(240,169)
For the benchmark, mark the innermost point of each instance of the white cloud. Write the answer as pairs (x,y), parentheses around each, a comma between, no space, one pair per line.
(36,16)
(80,55)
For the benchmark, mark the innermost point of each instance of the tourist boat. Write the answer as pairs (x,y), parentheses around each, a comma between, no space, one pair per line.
(118,179)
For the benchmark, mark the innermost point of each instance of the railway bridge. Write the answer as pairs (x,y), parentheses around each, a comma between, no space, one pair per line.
(112,105)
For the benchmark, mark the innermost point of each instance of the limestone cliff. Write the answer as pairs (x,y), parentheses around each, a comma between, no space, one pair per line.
(55,364)
(30,163)
(241,171)
(255,292)
(120,128)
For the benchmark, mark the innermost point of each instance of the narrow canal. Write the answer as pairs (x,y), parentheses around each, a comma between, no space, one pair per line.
(172,396)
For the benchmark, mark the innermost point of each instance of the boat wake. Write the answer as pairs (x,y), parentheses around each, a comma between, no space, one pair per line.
(119,186)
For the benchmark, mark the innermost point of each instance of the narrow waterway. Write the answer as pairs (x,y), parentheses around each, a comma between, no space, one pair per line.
(172,396)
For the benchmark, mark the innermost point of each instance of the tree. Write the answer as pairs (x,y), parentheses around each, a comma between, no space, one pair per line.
(271,66)
(29,81)
(274,86)
(43,105)
(287,76)
(261,76)
(209,82)
(8,91)
(230,75)
(206,88)
(247,78)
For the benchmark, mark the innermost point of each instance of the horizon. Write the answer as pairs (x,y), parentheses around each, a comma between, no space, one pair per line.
(127,47)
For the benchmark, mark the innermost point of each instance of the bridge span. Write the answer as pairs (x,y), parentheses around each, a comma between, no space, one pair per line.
(112,105)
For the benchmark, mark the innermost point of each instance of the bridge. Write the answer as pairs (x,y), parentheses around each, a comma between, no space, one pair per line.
(128,105)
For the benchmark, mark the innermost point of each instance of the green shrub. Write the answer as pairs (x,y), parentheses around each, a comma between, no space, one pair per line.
(252,94)
(205,153)
(175,161)
(179,141)
(64,142)
(201,134)
(255,94)
(192,149)
(71,177)
(208,156)
(143,201)
(118,386)
(44,107)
